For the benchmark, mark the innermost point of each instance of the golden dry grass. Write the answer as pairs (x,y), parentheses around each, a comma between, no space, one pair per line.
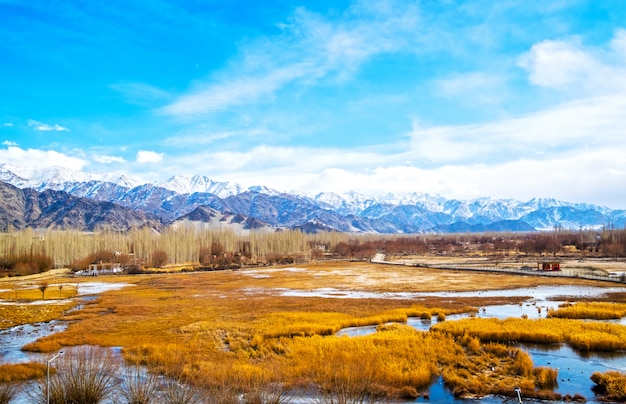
(590,310)
(12,315)
(15,372)
(31,292)
(235,328)
(587,336)
(612,385)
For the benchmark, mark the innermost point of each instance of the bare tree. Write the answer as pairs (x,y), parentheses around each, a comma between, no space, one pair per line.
(43,286)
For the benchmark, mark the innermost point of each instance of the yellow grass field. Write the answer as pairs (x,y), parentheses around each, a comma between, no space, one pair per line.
(237,328)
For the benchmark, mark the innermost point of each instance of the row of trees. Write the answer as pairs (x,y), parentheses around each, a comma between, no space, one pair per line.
(30,252)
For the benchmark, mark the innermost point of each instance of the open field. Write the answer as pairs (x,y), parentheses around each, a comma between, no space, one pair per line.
(242,330)
(579,267)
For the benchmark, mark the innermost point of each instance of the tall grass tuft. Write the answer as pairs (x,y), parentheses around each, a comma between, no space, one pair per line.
(546,378)
(8,391)
(138,387)
(85,375)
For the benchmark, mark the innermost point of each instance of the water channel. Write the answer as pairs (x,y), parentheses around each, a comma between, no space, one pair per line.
(575,368)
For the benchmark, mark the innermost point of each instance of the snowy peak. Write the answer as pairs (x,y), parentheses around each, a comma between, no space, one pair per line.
(183,184)
(41,178)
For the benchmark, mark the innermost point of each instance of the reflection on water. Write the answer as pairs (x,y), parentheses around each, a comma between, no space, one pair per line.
(575,367)
(13,339)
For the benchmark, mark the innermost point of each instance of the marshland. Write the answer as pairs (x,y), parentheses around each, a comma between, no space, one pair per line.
(264,318)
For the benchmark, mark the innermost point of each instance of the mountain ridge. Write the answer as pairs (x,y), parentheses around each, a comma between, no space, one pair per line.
(172,199)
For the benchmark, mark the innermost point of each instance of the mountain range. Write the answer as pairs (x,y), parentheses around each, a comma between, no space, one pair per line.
(62,198)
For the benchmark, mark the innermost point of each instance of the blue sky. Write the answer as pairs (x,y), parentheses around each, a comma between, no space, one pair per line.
(507,99)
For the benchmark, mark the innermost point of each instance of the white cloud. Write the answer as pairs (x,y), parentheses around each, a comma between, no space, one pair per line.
(46,127)
(588,123)
(567,65)
(144,156)
(16,156)
(9,143)
(572,151)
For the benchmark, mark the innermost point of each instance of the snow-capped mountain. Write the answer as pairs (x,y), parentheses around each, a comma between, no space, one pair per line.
(179,196)
(57,178)
(183,184)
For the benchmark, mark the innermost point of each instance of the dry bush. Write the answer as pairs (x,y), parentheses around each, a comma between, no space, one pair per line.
(25,264)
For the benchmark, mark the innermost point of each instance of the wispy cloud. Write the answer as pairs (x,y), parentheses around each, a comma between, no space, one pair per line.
(141,93)
(44,127)
(8,124)
(9,143)
(308,49)
(105,159)
(206,135)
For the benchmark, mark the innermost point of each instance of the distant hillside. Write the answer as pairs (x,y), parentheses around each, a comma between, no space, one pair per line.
(59,210)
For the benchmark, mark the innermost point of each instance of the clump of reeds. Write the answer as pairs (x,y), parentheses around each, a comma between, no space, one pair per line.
(13,372)
(590,310)
(546,378)
(387,363)
(611,385)
(84,375)
(581,335)
(137,386)
(8,391)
